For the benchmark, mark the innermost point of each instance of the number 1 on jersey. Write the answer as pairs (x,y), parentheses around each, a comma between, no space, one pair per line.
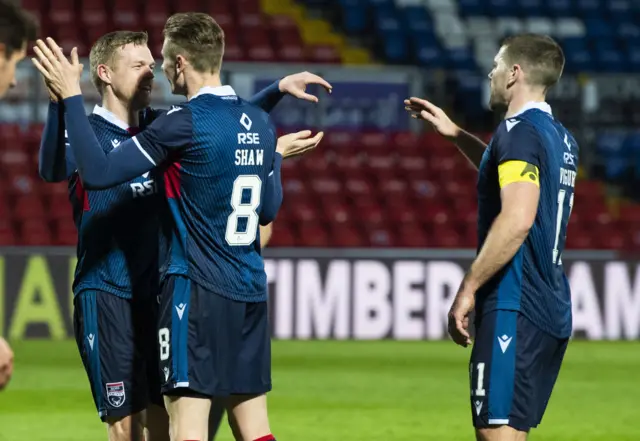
(244,209)
(562,194)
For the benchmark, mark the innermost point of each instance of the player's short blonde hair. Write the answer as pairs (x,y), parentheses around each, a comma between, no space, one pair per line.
(539,56)
(104,50)
(197,37)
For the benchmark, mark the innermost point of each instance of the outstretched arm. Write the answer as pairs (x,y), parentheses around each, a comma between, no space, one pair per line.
(294,85)
(55,159)
(170,132)
(469,145)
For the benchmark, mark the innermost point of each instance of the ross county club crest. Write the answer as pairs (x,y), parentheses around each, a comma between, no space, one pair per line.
(115,394)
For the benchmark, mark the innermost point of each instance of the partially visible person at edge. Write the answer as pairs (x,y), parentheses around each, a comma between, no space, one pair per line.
(17,28)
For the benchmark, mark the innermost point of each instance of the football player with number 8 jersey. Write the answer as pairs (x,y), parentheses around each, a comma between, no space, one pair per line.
(222,179)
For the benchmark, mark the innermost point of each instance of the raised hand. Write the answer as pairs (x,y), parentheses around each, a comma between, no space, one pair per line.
(296,85)
(427,111)
(296,144)
(61,75)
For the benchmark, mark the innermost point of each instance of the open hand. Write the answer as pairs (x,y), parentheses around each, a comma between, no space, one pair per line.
(61,75)
(427,111)
(296,144)
(296,85)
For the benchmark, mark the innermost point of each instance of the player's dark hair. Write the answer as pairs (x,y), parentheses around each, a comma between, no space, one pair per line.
(17,27)
(197,37)
(105,48)
(540,56)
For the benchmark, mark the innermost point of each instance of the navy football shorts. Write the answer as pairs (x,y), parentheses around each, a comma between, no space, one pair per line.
(117,341)
(514,366)
(211,346)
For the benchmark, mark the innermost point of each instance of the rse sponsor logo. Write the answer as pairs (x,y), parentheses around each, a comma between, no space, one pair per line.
(249,138)
(569,159)
(143,189)
(116,394)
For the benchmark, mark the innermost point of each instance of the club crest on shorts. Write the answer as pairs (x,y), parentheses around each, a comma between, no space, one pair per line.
(115,394)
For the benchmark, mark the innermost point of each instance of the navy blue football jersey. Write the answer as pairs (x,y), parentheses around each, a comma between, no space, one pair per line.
(534,281)
(119,227)
(218,151)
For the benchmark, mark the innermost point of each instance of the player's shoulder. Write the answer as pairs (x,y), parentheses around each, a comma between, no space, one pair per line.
(514,130)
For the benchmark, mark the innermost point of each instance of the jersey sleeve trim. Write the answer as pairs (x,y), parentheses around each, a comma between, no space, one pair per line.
(518,171)
(144,152)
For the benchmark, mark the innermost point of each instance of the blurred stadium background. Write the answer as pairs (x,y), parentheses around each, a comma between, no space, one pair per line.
(378,225)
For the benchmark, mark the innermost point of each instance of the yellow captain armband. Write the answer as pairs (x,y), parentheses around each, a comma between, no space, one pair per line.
(518,171)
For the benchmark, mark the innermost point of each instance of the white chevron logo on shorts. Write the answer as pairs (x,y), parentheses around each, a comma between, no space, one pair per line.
(478,405)
(180,309)
(504,342)
(90,339)
(166,373)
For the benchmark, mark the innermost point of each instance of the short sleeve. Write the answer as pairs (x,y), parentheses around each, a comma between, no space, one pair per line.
(519,142)
(170,133)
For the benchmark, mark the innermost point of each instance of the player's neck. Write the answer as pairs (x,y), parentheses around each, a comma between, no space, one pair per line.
(121,110)
(518,102)
(197,81)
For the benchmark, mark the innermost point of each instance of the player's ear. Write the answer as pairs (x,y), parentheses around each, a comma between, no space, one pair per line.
(104,73)
(514,74)
(181,63)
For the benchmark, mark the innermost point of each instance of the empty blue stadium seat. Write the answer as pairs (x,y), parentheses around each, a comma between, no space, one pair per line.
(385,21)
(395,47)
(532,8)
(471,8)
(628,30)
(427,51)
(560,8)
(611,150)
(598,28)
(610,60)
(469,92)
(461,59)
(502,8)
(416,19)
(633,58)
(354,19)
(619,11)
(589,8)
(577,54)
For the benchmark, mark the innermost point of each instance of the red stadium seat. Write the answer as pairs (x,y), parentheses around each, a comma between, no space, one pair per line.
(347,236)
(313,235)
(62,12)
(283,23)
(189,6)
(29,207)
(93,12)
(126,14)
(35,7)
(7,238)
(156,13)
(282,236)
(260,52)
(413,236)
(323,54)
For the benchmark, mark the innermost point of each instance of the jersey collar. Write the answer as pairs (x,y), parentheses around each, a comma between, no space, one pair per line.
(540,105)
(104,113)
(218,91)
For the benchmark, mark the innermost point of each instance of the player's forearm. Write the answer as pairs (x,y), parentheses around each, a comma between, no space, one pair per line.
(505,237)
(268,98)
(471,146)
(273,193)
(97,169)
(265,234)
(52,164)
